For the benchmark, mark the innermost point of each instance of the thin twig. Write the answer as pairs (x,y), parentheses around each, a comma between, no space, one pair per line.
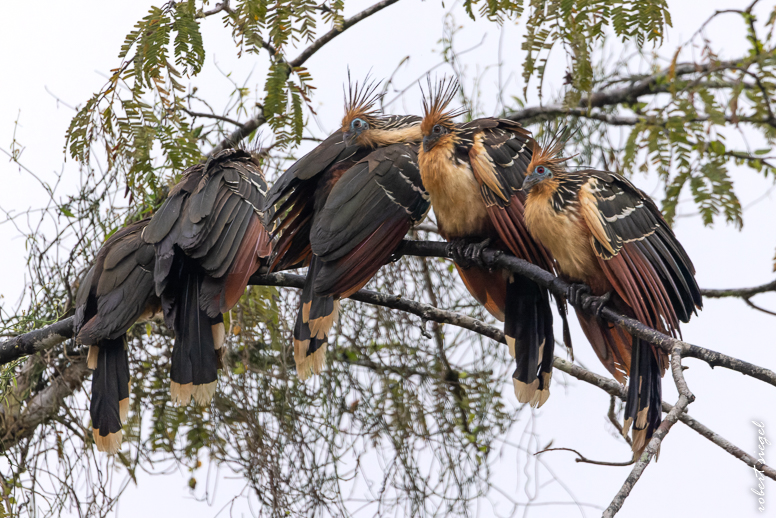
(583,459)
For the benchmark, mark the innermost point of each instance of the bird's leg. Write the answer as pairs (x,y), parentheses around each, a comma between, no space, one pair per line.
(457,249)
(473,253)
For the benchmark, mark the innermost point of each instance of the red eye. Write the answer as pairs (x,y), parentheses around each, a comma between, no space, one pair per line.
(540,169)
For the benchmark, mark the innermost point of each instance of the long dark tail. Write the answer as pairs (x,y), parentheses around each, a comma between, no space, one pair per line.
(528,329)
(198,341)
(317,314)
(643,406)
(110,392)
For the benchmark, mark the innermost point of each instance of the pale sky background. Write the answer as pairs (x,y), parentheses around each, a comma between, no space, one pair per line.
(68,47)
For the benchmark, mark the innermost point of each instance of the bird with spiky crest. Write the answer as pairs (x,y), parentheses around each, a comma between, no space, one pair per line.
(606,233)
(473,172)
(342,210)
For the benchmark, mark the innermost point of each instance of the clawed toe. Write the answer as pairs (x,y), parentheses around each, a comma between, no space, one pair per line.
(457,249)
(576,293)
(474,253)
(580,295)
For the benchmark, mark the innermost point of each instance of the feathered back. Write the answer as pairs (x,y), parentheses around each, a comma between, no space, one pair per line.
(435,104)
(361,101)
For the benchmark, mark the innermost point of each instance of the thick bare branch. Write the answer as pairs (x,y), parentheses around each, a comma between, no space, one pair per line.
(36,341)
(744,293)
(637,87)
(649,453)
(63,330)
(336,31)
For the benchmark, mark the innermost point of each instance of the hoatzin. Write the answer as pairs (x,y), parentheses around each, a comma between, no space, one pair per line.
(473,173)
(609,235)
(116,292)
(348,204)
(209,239)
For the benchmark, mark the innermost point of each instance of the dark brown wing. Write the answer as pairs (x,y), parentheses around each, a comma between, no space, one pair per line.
(213,216)
(299,192)
(118,289)
(117,292)
(499,152)
(366,216)
(640,254)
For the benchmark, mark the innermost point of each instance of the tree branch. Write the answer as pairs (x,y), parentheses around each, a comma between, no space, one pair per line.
(246,128)
(639,86)
(336,31)
(44,405)
(585,460)
(54,334)
(36,341)
(744,293)
(559,288)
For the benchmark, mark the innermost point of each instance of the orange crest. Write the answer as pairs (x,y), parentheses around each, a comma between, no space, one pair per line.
(361,102)
(435,104)
(548,153)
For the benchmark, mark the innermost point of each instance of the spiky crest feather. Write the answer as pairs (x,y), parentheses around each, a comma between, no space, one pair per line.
(360,101)
(435,104)
(548,152)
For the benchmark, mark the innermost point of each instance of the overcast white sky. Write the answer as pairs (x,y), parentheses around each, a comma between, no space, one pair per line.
(68,47)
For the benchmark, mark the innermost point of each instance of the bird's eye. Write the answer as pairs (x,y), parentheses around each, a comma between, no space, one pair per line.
(540,170)
(358,124)
(437,129)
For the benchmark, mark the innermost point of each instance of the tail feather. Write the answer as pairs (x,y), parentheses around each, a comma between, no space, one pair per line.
(529,333)
(195,362)
(110,393)
(643,406)
(317,315)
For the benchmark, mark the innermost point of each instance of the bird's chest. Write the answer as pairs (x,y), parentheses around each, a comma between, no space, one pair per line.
(455,195)
(567,238)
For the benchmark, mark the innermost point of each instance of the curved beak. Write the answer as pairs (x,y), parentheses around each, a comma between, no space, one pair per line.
(348,137)
(428,143)
(530,180)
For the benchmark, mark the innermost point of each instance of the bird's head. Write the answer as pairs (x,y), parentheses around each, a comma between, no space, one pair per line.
(546,164)
(361,112)
(437,127)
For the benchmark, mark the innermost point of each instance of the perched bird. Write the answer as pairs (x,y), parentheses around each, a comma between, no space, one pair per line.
(608,234)
(209,239)
(343,209)
(473,173)
(116,292)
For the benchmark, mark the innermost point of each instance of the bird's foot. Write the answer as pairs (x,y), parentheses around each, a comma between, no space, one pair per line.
(457,249)
(580,295)
(468,254)
(576,293)
(474,252)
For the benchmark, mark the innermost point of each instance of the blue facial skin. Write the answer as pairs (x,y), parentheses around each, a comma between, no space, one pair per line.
(357,126)
(539,174)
